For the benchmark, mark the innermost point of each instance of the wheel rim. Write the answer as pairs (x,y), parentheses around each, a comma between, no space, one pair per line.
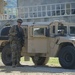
(68,57)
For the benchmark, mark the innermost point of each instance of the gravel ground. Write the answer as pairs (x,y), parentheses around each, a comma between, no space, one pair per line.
(30,69)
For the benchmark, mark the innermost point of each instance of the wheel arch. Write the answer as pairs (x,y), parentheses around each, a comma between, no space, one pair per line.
(62,45)
(4,43)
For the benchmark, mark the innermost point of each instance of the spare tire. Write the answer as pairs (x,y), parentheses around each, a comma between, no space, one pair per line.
(6,55)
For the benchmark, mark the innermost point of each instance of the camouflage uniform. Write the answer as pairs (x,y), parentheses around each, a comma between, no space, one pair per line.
(15,43)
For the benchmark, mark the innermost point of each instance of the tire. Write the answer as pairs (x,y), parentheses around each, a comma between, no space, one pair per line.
(40,60)
(67,57)
(6,55)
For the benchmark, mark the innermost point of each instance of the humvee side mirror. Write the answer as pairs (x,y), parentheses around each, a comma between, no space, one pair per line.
(47,32)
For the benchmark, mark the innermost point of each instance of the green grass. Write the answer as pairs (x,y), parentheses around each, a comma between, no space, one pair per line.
(52,61)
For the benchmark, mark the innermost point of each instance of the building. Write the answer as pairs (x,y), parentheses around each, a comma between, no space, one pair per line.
(2,4)
(40,10)
(46,10)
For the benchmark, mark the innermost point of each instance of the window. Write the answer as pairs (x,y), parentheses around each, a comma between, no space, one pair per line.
(35,14)
(53,29)
(39,14)
(68,6)
(62,6)
(72,11)
(72,5)
(62,9)
(43,13)
(65,29)
(72,30)
(49,13)
(43,8)
(30,9)
(57,7)
(62,12)
(21,15)
(5,12)
(39,8)
(26,9)
(53,13)
(35,9)
(48,7)
(30,14)
(62,27)
(58,12)
(26,15)
(73,8)
(38,31)
(53,7)
(53,10)
(67,9)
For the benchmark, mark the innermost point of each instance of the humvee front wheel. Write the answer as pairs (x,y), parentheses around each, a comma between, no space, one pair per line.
(40,60)
(6,55)
(67,57)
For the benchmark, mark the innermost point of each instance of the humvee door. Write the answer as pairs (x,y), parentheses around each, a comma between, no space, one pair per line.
(37,41)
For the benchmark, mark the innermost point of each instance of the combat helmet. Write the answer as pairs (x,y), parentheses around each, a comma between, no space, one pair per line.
(20,20)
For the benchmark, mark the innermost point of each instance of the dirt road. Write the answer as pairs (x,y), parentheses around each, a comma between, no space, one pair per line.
(30,69)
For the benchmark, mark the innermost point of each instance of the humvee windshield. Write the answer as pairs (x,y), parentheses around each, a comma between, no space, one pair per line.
(38,31)
(65,29)
(61,27)
(72,30)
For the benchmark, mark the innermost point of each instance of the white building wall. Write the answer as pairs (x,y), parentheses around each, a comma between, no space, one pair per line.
(67,17)
(40,2)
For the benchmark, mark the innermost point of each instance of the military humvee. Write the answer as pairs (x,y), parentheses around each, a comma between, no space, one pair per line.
(42,41)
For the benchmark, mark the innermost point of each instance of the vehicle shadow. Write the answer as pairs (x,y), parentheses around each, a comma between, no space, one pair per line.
(35,69)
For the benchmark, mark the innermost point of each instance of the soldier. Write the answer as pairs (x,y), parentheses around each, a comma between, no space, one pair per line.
(16,38)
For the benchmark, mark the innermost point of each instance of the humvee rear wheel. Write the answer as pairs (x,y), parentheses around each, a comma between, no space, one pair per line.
(6,55)
(40,60)
(67,57)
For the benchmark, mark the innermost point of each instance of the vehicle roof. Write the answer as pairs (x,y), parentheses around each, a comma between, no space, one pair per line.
(31,23)
(62,22)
